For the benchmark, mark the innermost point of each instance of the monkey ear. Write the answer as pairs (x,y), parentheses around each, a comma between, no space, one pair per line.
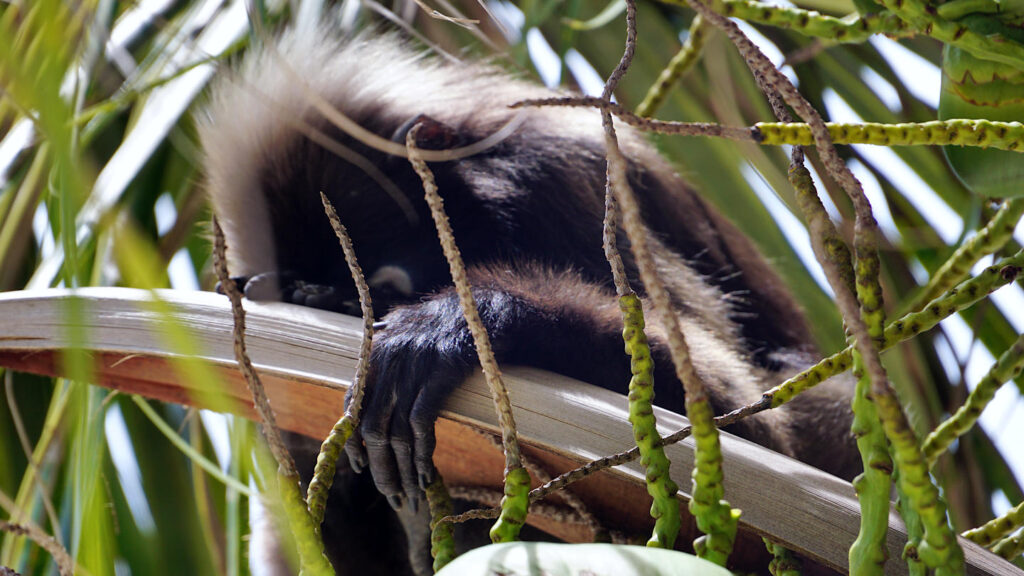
(432,135)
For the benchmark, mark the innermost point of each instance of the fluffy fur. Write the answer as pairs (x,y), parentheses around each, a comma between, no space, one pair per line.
(527,214)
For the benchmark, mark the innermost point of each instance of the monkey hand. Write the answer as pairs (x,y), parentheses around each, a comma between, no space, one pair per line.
(537,318)
(425,351)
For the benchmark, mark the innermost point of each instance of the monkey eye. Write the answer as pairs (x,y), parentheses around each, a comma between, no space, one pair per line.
(391,281)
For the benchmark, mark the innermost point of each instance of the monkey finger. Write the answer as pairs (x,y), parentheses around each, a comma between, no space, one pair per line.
(356,452)
(375,423)
(402,446)
(422,418)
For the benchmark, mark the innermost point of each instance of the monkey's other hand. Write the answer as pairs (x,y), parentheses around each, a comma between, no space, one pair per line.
(425,352)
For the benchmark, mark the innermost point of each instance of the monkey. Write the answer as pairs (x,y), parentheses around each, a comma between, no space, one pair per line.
(527,214)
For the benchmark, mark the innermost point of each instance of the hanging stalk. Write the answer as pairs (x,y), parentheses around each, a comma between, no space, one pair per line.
(517,480)
(442,534)
(665,508)
(330,450)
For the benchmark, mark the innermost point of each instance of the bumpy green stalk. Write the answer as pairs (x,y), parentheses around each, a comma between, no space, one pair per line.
(939,550)
(963,296)
(993,530)
(330,449)
(958,132)
(988,240)
(1010,547)
(680,63)
(1008,367)
(442,538)
(715,518)
(915,532)
(513,506)
(517,480)
(783,562)
(922,17)
(809,22)
(305,532)
(326,462)
(868,553)
(660,486)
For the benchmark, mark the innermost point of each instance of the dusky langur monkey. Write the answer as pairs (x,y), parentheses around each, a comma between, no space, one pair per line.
(527,214)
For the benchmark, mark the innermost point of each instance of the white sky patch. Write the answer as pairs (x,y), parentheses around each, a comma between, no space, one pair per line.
(181,272)
(43,233)
(918,270)
(1010,301)
(794,231)
(122,453)
(165,212)
(1018,232)
(1000,503)
(882,88)
(216,426)
(511,18)
(879,206)
(544,58)
(922,78)
(948,360)
(586,76)
(17,139)
(938,214)
(769,48)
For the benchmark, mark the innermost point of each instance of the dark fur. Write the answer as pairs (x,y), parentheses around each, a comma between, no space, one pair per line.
(527,215)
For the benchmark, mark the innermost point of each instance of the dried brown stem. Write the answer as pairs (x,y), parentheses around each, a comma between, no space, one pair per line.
(268,423)
(492,373)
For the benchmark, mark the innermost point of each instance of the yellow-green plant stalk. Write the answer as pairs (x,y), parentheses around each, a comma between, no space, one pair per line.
(516,501)
(939,550)
(915,532)
(966,294)
(326,465)
(715,518)
(665,508)
(984,36)
(783,562)
(1010,547)
(680,63)
(330,449)
(305,532)
(809,22)
(868,552)
(514,505)
(442,537)
(961,134)
(1008,367)
(993,530)
(991,238)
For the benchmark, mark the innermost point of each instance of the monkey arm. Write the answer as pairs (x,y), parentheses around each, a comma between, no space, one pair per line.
(535,317)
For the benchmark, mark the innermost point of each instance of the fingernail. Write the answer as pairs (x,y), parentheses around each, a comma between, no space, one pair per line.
(395,501)
(357,464)
(425,481)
